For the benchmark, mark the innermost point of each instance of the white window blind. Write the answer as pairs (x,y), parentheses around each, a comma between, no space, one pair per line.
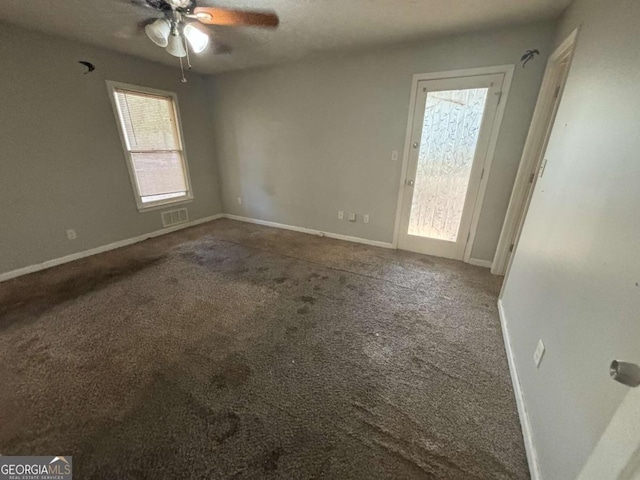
(151,133)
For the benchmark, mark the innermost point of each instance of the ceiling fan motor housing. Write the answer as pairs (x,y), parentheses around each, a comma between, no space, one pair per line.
(185,6)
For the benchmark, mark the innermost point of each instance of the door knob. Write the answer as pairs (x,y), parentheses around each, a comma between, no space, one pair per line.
(626,373)
(416,144)
(410,183)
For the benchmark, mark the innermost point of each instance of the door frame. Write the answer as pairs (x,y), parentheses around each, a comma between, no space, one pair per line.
(508,71)
(535,147)
(617,453)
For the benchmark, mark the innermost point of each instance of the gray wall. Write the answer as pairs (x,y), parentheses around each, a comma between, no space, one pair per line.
(61,160)
(574,279)
(299,142)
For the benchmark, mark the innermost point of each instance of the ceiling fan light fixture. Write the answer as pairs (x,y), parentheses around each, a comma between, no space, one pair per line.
(197,39)
(176,46)
(158,32)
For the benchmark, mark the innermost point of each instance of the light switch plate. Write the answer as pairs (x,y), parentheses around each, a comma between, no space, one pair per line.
(340,215)
(537,355)
(394,156)
(352,216)
(365,218)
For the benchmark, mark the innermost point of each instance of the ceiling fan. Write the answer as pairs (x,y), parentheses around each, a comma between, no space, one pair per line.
(177,32)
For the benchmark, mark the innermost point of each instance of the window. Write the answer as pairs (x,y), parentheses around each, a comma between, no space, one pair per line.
(149,127)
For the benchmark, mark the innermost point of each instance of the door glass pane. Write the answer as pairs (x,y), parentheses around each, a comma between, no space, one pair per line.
(449,137)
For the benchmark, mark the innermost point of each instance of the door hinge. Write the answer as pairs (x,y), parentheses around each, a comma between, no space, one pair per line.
(542,167)
(482,174)
(468,236)
(533,175)
(511,248)
(499,97)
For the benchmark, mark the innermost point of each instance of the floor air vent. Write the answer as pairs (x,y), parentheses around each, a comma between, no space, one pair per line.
(174,217)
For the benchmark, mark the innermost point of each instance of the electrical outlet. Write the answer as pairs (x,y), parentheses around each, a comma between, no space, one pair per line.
(394,156)
(340,215)
(71,234)
(239,200)
(365,218)
(352,216)
(537,355)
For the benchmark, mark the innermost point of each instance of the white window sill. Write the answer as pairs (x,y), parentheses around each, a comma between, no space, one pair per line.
(150,207)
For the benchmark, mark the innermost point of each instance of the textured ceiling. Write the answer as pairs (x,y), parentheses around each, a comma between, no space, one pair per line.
(306,26)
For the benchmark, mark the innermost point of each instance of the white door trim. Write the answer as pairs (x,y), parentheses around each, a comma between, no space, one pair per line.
(617,454)
(508,71)
(534,150)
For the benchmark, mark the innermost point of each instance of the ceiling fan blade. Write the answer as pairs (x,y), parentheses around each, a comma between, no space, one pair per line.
(235,18)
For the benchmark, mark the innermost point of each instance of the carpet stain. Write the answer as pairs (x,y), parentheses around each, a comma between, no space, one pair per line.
(183,357)
(223,425)
(307,299)
(270,462)
(232,372)
(203,257)
(19,304)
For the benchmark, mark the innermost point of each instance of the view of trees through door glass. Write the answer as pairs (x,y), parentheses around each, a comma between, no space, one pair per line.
(450,132)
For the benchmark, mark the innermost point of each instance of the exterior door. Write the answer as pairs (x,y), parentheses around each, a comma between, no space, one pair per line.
(450,133)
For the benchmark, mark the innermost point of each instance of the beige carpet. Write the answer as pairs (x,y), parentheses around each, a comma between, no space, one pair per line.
(232,350)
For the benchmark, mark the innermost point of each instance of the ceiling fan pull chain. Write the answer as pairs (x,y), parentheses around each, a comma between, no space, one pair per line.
(186,47)
(183,79)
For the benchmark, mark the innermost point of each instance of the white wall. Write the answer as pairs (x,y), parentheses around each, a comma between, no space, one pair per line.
(299,142)
(61,160)
(575,275)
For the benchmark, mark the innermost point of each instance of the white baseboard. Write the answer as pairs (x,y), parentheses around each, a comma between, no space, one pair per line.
(480,263)
(310,231)
(129,241)
(105,248)
(532,457)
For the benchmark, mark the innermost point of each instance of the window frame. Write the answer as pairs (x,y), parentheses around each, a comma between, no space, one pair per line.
(112,86)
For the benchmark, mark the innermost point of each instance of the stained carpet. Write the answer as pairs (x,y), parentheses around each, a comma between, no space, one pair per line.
(232,350)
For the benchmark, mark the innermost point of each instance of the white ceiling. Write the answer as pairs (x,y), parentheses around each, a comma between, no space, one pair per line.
(306,26)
